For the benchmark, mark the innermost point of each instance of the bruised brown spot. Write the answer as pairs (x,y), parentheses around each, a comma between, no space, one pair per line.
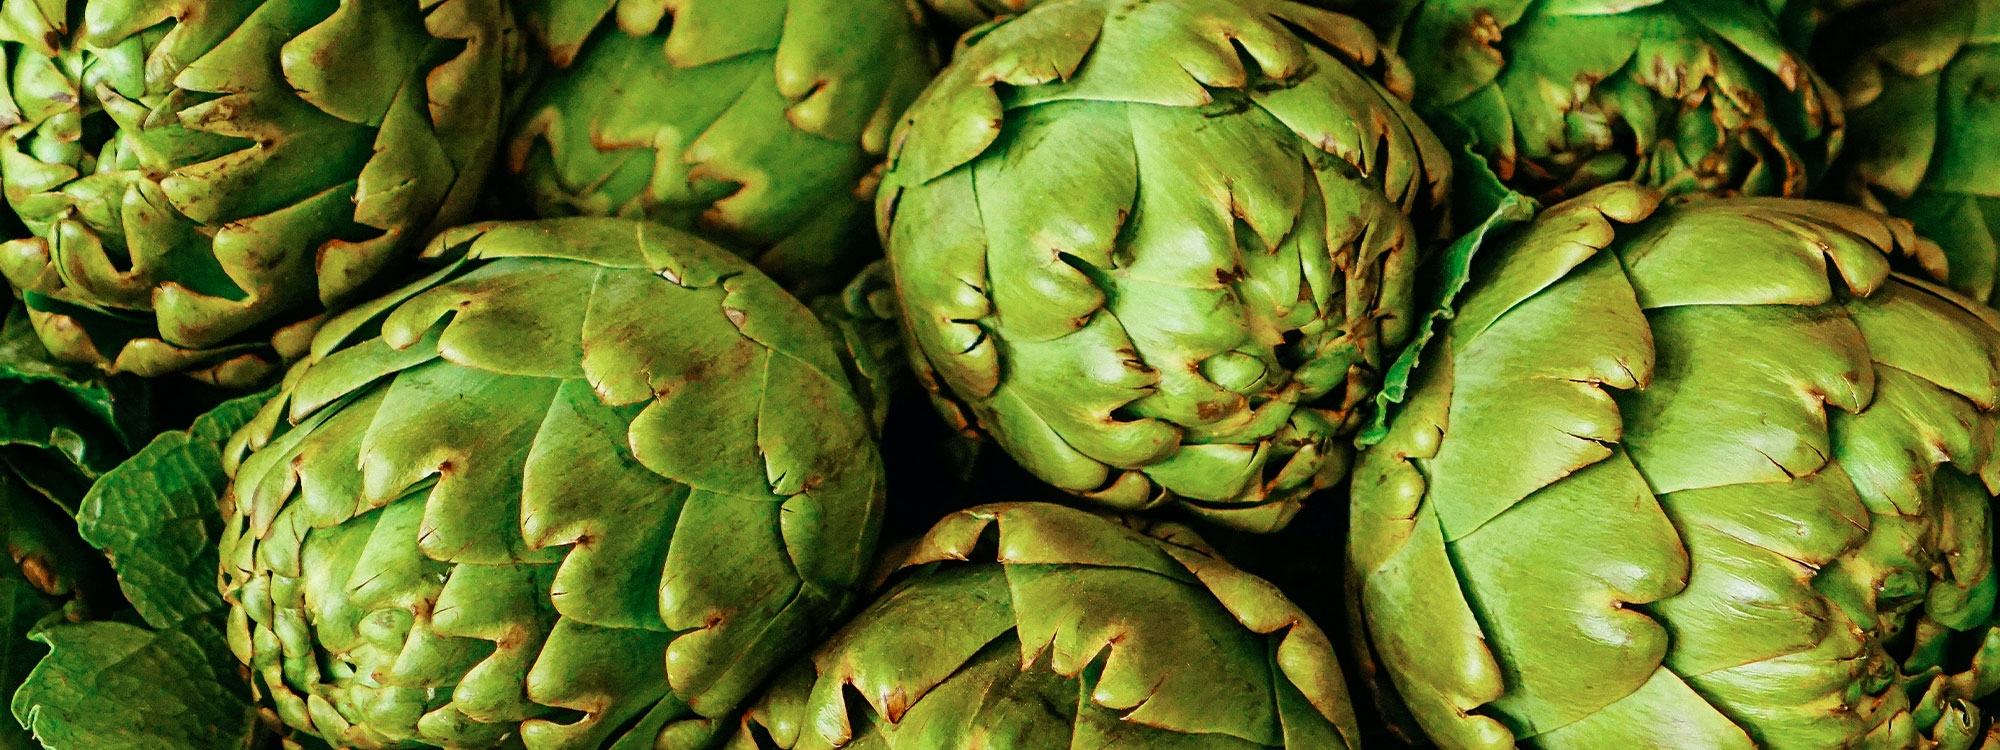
(38,574)
(695,372)
(1789,71)
(1484,29)
(1130,358)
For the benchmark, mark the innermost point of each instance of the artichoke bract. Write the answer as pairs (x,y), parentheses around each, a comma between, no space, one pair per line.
(1561,96)
(1925,124)
(204,178)
(1700,475)
(585,486)
(965,14)
(756,123)
(1044,626)
(1161,253)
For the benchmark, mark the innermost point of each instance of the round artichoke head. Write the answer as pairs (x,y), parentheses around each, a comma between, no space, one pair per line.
(1925,118)
(1561,96)
(756,123)
(1161,252)
(204,178)
(1032,625)
(1700,475)
(585,486)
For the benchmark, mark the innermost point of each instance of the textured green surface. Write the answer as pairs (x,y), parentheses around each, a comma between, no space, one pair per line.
(1918,78)
(1161,253)
(1031,625)
(586,486)
(753,122)
(1565,95)
(60,427)
(965,14)
(112,684)
(117,686)
(1705,475)
(204,177)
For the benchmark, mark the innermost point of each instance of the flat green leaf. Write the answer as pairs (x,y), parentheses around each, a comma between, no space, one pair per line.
(1480,193)
(157,517)
(115,686)
(21,607)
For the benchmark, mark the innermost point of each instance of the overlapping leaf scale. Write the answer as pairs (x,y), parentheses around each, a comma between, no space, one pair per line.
(503,504)
(1051,627)
(1132,320)
(1564,95)
(1746,497)
(753,121)
(219,173)
(1923,125)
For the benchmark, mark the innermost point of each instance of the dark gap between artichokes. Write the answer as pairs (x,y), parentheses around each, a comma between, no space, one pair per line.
(1918,78)
(61,426)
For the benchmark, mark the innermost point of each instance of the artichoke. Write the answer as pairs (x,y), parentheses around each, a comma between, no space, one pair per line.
(204,178)
(1214,214)
(1561,96)
(1045,626)
(585,486)
(1700,475)
(1925,117)
(754,122)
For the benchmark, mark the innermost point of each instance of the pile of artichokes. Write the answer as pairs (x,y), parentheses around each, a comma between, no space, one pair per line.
(999,374)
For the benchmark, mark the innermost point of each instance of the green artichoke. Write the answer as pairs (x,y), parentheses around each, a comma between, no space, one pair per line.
(754,122)
(586,486)
(1561,96)
(1925,119)
(1214,214)
(1042,626)
(1700,475)
(204,178)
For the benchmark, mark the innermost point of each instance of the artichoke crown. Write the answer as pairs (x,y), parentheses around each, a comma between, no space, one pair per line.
(1711,461)
(593,480)
(754,122)
(1561,96)
(1045,626)
(1917,77)
(1158,251)
(204,178)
